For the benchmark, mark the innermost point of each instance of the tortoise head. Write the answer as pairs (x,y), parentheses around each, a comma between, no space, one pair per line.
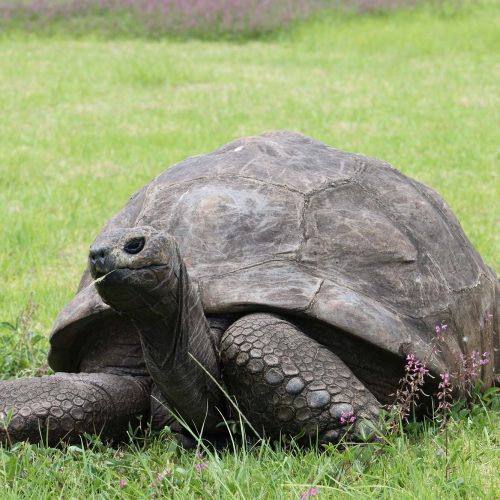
(135,269)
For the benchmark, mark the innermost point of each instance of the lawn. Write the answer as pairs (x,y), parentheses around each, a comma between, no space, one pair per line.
(86,121)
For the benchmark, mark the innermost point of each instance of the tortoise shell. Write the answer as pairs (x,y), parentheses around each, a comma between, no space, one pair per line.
(281,222)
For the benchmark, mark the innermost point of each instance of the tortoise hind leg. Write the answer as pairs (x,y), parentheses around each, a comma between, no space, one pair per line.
(286,382)
(63,406)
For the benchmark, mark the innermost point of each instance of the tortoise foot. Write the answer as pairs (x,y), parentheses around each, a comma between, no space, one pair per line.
(63,406)
(286,382)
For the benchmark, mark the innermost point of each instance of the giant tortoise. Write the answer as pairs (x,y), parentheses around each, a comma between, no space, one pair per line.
(278,270)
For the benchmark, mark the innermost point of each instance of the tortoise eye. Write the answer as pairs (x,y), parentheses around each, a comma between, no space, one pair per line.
(135,245)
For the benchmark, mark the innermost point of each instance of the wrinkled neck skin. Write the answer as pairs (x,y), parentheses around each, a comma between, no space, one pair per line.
(173,329)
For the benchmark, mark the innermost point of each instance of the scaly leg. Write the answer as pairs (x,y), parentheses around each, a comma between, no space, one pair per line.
(63,406)
(286,382)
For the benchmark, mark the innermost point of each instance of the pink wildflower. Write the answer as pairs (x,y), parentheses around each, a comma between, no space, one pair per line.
(472,363)
(161,476)
(414,366)
(200,467)
(411,385)
(123,483)
(445,380)
(484,359)
(444,397)
(347,417)
(441,328)
(311,492)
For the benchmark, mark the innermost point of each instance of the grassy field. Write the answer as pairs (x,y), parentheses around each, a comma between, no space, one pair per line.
(87,121)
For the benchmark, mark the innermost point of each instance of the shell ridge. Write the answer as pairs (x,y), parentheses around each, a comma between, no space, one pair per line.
(380,300)
(264,182)
(239,269)
(316,293)
(390,213)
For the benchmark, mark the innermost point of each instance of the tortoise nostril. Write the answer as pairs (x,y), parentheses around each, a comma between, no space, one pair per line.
(135,245)
(98,260)
(98,256)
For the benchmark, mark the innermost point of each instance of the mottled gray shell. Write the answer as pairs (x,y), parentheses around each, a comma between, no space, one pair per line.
(285,223)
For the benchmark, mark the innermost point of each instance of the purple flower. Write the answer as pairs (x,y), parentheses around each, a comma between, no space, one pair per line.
(163,16)
(123,483)
(422,370)
(469,365)
(412,383)
(472,365)
(311,492)
(161,476)
(414,366)
(441,328)
(200,466)
(347,417)
(444,397)
(445,380)
(484,359)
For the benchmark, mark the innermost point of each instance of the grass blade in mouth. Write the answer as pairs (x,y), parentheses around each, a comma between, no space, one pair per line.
(98,280)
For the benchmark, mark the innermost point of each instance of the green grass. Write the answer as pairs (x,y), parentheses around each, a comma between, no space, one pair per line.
(407,466)
(85,122)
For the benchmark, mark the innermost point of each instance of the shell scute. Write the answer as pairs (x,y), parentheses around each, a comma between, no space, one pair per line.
(226,224)
(350,236)
(425,217)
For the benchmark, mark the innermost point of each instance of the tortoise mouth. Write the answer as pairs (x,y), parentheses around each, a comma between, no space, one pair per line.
(126,284)
(127,289)
(116,274)
(107,277)
(99,275)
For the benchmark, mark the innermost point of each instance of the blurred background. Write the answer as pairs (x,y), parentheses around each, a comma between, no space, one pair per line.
(99,96)
(204,18)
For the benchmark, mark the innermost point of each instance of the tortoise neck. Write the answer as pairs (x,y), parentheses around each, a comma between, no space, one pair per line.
(181,354)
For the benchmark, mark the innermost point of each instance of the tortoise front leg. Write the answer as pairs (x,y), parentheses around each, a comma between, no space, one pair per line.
(286,382)
(63,406)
